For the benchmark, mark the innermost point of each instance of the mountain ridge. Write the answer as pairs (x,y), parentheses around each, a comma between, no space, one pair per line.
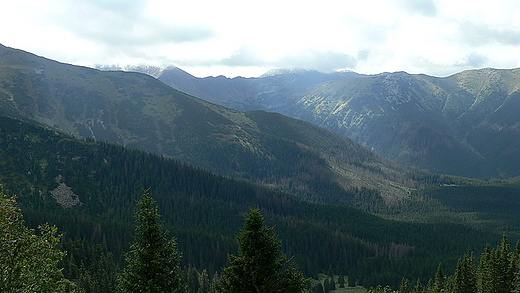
(437,124)
(138,111)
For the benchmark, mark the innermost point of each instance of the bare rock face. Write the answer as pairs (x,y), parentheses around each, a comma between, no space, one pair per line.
(64,195)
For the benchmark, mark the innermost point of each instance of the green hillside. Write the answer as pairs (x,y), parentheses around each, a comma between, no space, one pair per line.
(89,190)
(207,165)
(465,124)
(138,111)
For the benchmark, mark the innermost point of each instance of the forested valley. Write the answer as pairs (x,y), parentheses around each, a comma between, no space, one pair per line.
(496,270)
(89,190)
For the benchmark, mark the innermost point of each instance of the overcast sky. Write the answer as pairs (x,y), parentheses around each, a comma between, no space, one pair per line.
(248,38)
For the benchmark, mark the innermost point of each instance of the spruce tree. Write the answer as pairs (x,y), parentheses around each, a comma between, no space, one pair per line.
(204,282)
(515,261)
(318,288)
(341,281)
(404,286)
(260,266)
(484,272)
(465,275)
(332,283)
(153,264)
(418,286)
(439,283)
(326,285)
(502,267)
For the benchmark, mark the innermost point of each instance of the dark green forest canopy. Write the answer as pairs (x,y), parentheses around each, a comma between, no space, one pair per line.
(494,270)
(205,210)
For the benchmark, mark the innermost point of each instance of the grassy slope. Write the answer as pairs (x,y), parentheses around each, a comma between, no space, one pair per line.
(465,124)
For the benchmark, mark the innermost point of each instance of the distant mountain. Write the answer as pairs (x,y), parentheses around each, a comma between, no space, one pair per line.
(138,111)
(88,187)
(465,124)
(273,91)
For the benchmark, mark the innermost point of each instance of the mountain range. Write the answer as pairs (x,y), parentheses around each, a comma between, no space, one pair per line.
(465,124)
(138,111)
(77,143)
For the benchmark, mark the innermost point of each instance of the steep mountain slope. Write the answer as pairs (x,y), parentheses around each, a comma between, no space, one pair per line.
(464,124)
(274,91)
(138,111)
(485,108)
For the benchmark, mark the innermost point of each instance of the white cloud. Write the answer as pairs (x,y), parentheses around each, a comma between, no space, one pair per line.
(237,37)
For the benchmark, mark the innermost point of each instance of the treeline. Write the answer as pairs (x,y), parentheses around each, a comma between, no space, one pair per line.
(204,211)
(29,261)
(496,271)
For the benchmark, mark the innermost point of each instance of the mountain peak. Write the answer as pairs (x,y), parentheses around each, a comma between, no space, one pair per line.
(151,70)
(281,71)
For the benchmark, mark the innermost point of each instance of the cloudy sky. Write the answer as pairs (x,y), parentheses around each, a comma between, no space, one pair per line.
(248,38)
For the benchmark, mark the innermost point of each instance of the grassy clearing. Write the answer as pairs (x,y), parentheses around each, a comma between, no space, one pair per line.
(357,289)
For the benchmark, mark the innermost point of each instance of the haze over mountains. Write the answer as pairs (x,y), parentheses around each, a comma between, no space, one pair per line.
(306,178)
(465,124)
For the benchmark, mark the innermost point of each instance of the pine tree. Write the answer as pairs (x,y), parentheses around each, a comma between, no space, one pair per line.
(496,271)
(439,283)
(465,276)
(318,288)
(191,278)
(28,262)
(404,286)
(515,261)
(260,266)
(332,284)
(430,286)
(341,281)
(502,267)
(516,281)
(153,264)
(204,282)
(484,272)
(326,285)
(418,287)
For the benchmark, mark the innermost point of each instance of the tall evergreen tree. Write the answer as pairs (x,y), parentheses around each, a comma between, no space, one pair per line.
(318,288)
(404,286)
(341,281)
(28,262)
(332,283)
(153,264)
(502,267)
(465,275)
(439,283)
(515,263)
(484,272)
(326,285)
(260,266)
(205,285)
(430,286)
(418,287)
